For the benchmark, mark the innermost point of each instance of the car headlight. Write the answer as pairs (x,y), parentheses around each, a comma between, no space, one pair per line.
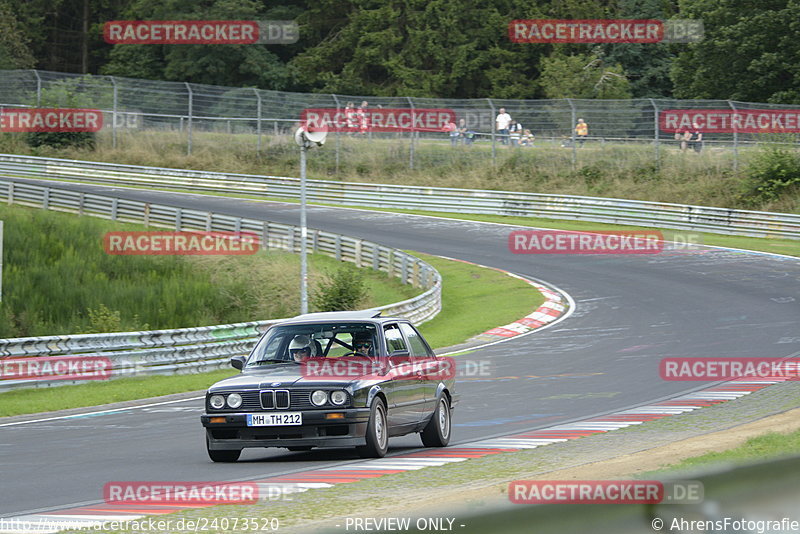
(217,401)
(234,400)
(319,397)
(338,397)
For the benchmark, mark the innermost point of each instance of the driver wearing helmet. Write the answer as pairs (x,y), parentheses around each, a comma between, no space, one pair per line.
(301,347)
(362,344)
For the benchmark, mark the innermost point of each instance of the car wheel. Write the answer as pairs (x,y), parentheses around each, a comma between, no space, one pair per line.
(437,432)
(377,432)
(222,456)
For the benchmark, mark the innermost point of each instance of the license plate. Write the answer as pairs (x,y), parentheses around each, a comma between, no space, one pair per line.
(275,419)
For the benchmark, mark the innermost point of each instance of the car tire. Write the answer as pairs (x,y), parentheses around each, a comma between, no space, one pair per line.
(437,432)
(222,456)
(377,432)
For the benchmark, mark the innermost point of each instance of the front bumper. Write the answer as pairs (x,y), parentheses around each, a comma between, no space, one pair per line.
(316,431)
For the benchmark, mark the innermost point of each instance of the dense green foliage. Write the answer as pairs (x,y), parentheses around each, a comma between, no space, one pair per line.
(435,48)
(342,289)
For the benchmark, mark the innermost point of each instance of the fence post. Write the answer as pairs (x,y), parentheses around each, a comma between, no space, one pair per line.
(189,121)
(573,120)
(114,114)
(338,136)
(38,89)
(656,131)
(494,132)
(411,150)
(258,121)
(735,140)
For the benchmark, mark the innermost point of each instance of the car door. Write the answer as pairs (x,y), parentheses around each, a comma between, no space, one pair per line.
(424,360)
(409,395)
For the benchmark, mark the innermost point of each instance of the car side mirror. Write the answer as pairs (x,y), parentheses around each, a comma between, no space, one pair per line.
(238,362)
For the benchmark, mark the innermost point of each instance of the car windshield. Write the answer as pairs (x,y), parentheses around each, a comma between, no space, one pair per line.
(294,343)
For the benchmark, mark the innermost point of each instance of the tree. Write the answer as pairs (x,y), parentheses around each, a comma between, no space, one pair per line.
(748,52)
(232,65)
(14,51)
(582,76)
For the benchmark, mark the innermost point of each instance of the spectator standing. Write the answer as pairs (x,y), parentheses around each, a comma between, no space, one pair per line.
(514,132)
(581,131)
(464,133)
(363,117)
(696,139)
(454,135)
(351,117)
(501,123)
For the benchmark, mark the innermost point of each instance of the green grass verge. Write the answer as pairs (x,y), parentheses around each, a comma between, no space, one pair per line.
(770,445)
(25,401)
(474,299)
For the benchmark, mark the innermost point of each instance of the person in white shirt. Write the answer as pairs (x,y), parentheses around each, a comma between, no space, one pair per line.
(502,122)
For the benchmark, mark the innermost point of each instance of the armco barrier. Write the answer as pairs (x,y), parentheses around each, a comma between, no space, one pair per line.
(603,210)
(192,350)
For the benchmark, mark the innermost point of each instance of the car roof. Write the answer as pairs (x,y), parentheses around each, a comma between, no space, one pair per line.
(372,316)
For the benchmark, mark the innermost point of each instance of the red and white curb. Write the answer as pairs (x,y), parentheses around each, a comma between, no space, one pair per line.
(553,307)
(94,515)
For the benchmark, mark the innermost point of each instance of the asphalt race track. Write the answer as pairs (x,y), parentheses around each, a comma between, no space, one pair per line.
(631,311)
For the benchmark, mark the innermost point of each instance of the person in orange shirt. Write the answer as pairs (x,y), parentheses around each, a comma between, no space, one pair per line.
(581,131)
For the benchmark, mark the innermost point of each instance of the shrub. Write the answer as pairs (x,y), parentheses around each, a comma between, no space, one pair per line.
(61,139)
(343,289)
(773,173)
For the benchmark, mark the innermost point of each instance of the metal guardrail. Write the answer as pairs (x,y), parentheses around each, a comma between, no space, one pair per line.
(192,350)
(602,210)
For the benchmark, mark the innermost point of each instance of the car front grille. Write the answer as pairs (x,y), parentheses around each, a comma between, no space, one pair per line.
(280,399)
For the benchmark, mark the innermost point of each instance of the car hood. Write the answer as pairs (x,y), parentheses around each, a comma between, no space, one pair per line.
(281,376)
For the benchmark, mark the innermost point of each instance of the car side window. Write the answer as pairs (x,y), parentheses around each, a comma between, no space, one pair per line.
(394,339)
(415,342)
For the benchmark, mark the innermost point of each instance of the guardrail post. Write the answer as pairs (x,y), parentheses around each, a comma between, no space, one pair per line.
(209,221)
(290,234)
(46,199)
(114,114)
(376,252)
(735,140)
(415,279)
(114,203)
(338,248)
(404,269)
(10,193)
(656,132)
(573,120)
(237,227)
(357,258)
(494,132)
(189,120)
(178,219)
(411,149)
(81,201)
(258,121)
(315,241)
(146,214)
(265,236)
